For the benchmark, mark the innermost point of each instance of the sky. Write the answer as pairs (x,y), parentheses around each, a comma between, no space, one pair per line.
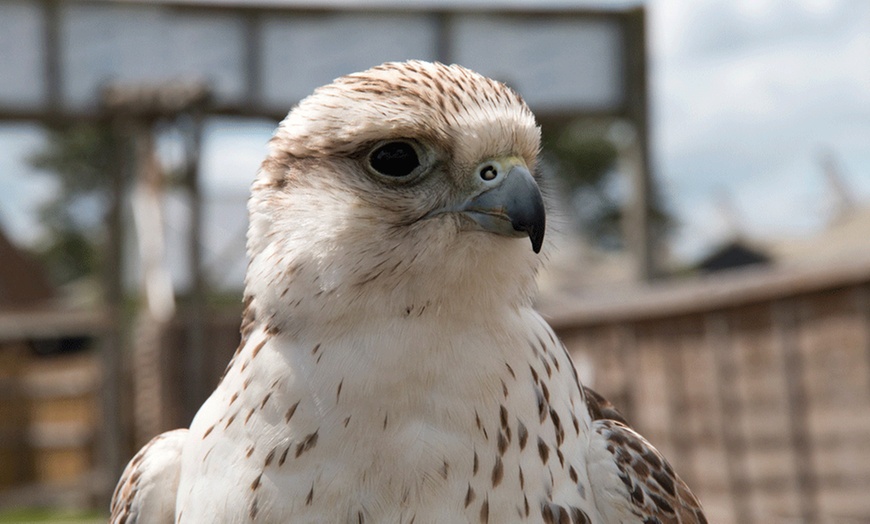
(746,95)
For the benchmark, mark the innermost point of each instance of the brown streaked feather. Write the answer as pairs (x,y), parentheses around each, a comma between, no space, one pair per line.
(147,489)
(601,408)
(656,494)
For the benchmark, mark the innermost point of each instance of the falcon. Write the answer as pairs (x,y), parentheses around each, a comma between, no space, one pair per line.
(392,369)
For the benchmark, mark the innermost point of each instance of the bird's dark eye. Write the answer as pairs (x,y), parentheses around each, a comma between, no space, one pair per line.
(394,159)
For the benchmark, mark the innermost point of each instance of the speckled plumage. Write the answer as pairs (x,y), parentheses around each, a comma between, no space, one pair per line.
(391,368)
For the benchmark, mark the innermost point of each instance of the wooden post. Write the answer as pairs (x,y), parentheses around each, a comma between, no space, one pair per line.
(142,106)
(638,230)
(154,316)
(253,58)
(195,387)
(443,51)
(112,433)
(51,66)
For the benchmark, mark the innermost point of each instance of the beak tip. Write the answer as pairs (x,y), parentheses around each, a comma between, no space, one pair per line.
(536,235)
(537,242)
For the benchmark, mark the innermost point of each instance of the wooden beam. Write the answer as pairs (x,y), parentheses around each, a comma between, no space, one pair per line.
(638,228)
(701,295)
(196,389)
(51,323)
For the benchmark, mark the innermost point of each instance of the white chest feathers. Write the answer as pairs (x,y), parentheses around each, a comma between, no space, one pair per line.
(476,426)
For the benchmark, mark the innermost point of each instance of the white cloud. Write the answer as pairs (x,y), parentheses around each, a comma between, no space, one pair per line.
(232,151)
(745,95)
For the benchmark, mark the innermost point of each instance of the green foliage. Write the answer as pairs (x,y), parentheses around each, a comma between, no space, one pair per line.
(585,160)
(69,254)
(80,155)
(81,158)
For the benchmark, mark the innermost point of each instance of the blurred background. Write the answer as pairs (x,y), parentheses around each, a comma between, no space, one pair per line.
(709,168)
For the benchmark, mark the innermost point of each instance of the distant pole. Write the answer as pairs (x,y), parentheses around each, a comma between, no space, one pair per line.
(637,227)
(253,24)
(51,45)
(443,51)
(196,389)
(112,448)
(142,106)
(155,314)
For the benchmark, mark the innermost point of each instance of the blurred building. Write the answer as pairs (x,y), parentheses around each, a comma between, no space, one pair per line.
(845,238)
(842,239)
(23,283)
(49,389)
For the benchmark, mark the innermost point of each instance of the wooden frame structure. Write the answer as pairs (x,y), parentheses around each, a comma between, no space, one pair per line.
(55,107)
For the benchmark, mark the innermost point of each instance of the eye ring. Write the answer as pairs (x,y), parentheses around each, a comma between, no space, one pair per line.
(397,159)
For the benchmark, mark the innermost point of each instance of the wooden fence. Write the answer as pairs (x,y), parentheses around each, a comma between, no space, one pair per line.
(755,384)
(50,414)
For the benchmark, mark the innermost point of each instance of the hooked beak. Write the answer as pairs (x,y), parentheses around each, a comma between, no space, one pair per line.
(509,202)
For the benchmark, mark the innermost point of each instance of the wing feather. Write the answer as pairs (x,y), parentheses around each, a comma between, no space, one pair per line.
(631,480)
(147,490)
(600,408)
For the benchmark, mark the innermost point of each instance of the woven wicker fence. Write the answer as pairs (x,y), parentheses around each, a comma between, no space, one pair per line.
(755,384)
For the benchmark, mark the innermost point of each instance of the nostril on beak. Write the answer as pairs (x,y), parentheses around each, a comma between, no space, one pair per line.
(488,172)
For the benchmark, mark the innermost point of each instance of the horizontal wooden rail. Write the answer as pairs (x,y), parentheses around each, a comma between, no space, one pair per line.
(710,293)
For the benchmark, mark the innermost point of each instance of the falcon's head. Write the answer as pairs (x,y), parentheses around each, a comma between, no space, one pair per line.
(407,187)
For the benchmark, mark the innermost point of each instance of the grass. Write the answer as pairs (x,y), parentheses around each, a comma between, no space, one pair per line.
(50,516)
